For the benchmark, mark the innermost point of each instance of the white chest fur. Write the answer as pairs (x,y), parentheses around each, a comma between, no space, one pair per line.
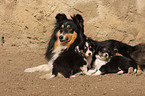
(56,52)
(98,63)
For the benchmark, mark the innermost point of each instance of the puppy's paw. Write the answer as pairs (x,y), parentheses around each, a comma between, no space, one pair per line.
(130,70)
(91,71)
(97,73)
(120,72)
(139,72)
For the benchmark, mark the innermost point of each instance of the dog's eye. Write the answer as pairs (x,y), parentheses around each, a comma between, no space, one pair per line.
(90,47)
(62,26)
(69,27)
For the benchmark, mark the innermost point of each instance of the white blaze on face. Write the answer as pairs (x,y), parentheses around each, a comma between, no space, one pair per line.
(63,36)
(88,52)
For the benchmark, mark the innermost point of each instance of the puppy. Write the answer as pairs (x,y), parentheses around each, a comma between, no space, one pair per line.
(86,48)
(102,56)
(61,54)
(108,62)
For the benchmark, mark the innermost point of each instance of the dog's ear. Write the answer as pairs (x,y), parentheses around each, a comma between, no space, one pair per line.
(78,19)
(60,17)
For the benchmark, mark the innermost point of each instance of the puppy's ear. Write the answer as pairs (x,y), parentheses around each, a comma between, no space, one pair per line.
(78,19)
(60,17)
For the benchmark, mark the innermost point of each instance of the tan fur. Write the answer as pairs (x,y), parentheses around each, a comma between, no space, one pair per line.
(56,43)
(72,38)
(62,26)
(82,52)
(118,54)
(139,71)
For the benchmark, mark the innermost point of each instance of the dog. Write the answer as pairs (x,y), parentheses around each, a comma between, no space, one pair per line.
(110,61)
(101,57)
(61,55)
(138,55)
(86,48)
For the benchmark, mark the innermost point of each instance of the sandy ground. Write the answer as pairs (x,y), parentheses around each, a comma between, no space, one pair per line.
(14,82)
(26,26)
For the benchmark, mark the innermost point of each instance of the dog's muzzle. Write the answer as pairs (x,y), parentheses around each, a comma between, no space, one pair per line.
(61,38)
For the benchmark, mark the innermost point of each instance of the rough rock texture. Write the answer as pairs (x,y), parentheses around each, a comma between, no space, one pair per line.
(30,22)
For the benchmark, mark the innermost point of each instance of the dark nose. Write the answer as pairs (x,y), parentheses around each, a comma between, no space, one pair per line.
(106,55)
(89,54)
(60,37)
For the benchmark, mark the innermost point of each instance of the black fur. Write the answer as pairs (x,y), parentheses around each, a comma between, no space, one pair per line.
(116,64)
(139,54)
(69,61)
(76,21)
(122,48)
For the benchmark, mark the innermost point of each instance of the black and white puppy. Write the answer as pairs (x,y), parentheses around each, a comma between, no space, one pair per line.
(86,48)
(101,57)
(108,61)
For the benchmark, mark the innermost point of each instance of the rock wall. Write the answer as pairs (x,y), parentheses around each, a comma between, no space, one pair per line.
(29,23)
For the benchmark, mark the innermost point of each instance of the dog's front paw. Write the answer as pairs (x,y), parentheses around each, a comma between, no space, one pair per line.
(97,73)
(91,71)
(139,72)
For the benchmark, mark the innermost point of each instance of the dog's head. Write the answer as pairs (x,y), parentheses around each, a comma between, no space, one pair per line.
(87,48)
(103,53)
(68,29)
(66,32)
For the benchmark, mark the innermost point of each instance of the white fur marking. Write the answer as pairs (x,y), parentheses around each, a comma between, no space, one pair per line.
(97,73)
(99,63)
(87,44)
(120,72)
(88,51)
(47,67)
(40,68)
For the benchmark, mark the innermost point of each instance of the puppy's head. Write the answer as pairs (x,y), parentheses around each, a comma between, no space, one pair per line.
(67,29)
(103,53)
(87,49)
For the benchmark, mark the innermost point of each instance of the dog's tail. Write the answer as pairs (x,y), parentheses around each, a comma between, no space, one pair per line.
(40,68)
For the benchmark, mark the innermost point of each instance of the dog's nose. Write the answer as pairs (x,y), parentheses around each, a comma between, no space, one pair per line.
(60,37)
(89,54)
(106,55)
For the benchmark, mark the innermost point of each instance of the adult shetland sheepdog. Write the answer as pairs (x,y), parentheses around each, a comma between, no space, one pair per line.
(61,52)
